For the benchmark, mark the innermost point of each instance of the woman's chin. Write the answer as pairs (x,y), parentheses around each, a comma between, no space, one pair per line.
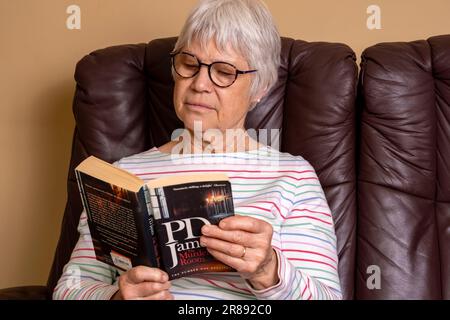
(198,124)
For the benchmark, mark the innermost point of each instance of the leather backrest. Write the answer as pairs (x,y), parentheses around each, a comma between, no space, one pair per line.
(123,105)
(404,170)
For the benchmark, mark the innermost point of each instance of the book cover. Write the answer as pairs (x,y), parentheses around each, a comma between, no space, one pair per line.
(156,224)
(180,211)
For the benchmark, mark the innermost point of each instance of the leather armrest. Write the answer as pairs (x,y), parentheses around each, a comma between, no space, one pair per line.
(25,293)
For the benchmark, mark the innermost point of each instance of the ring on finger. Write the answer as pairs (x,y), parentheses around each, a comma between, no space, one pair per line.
(243,252)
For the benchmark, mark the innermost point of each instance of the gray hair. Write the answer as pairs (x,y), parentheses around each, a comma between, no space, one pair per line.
(247,26)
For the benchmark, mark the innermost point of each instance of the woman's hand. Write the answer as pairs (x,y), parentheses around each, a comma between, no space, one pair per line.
(245,244)
(143,283)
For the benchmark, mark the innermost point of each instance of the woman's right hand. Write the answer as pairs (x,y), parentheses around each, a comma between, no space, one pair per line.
(143,283)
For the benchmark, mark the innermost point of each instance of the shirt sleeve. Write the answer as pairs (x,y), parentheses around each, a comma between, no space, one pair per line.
(307,257)
(84,277)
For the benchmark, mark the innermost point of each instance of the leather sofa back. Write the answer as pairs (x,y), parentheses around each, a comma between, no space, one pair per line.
(404,170)
(123,105)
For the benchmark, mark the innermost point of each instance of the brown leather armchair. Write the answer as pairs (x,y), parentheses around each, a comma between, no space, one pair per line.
(123,105)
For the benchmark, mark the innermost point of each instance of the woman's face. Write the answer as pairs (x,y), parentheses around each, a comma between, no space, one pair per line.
(199,99)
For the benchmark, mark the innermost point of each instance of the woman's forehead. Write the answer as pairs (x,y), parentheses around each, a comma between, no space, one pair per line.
(209,52)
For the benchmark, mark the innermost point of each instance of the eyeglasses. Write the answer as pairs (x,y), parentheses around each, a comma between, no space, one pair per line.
(222,74)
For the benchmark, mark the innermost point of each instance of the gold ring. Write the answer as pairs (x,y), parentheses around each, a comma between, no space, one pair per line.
(243,253)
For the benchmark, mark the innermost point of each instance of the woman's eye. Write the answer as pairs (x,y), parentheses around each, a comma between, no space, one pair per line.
(190,65)
(225,73)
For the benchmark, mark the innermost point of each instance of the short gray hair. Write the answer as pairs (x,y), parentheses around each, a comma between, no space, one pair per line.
(247,26)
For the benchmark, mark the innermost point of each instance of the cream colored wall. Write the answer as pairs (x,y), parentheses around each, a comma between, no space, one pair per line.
(38,55)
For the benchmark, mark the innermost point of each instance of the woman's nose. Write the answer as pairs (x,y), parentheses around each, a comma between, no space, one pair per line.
(201,81)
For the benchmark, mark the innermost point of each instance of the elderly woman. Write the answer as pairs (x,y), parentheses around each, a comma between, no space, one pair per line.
(281,240)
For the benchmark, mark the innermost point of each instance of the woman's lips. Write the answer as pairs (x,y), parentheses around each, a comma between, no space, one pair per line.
(199,106)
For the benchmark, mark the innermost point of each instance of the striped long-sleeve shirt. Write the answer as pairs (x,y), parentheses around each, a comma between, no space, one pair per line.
(276,187)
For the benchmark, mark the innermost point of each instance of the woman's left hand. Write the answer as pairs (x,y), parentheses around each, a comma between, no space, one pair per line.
(245,244)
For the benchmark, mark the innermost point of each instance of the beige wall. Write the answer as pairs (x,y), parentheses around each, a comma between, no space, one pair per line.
(38,55)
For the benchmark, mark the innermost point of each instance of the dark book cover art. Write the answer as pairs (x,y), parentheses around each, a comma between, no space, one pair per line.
(180,211)
(121,229)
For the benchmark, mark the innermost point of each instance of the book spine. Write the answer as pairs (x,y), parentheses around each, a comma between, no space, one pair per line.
(160,213)
(151,224)
(149,241)
(151,219)
(154,203)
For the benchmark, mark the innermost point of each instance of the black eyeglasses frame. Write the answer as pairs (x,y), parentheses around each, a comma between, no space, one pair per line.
(209,66)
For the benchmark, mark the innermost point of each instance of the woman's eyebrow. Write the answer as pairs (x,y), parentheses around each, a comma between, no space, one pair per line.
(227,60)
